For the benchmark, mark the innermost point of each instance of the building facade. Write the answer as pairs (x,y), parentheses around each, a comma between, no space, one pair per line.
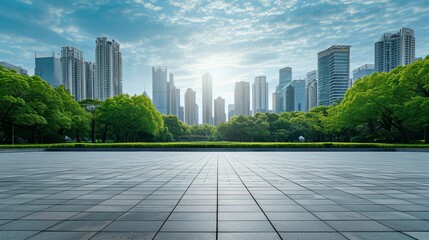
(333,68)
(260,95)
(207,99)
(191,107)
(311,90)
(182,114)
(18,69)
(242,99)
(159,89)
(90,80)
(108,69)
(363,71)
(285,78)
(397,49)
(230,111)
(219,111)
(73,72)
(49,69)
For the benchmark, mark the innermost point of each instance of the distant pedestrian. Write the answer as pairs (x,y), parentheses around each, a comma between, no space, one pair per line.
(301,139)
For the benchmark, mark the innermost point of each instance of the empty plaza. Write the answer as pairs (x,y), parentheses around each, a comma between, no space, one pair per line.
(214,195)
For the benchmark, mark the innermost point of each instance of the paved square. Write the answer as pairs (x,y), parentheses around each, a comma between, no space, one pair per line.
(221,195)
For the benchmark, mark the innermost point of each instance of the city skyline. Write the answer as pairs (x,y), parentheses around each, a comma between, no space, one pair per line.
(250,42)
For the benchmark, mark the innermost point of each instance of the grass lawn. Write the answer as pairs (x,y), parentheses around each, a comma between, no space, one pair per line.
(217,145)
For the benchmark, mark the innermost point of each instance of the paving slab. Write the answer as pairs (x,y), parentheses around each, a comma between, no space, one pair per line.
(214,195)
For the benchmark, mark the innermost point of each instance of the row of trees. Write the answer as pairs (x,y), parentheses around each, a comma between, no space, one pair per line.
(386,107)
(34,112)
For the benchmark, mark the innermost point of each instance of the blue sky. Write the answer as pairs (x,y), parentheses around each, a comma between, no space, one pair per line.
(233,40)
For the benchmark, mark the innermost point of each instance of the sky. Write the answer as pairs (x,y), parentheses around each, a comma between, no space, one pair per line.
(233,40)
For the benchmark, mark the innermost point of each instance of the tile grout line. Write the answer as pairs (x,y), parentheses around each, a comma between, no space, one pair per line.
(147,195)
(394,230)
(288,196)
(217,197)
(254,199)
(196,175)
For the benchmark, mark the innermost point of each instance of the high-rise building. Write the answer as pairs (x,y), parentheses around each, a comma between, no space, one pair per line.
(219,111)
(293,96)
(285,77)
(175,103)
(242,98)
(274,99)
(90,80)
(207,98)
(363,71)
(117,68)
(397,49)
(260,95)
(18,69)
(49,69)
(191,107)
(108,69)
(73,72)
(333,68)
(298,95)
(159,88)
(173,97)
(182,114)
(231,111)
(311,90)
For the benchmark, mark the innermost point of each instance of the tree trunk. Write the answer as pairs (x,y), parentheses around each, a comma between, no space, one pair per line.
(13,134)
(427,134)
(93,131)
(104,134)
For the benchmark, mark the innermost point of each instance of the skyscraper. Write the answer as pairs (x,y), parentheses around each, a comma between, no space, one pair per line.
(298,95)
(242,98)
(274,99)
(159,88)
(49,69)
(311,90)
(260,95)
(18,69)
(363,71)
(285,77)
(333,67)
(73,72)
(117,68)
(207,99)
(176,102)
(398,49)
(108,69)
(182,114)
(219,111)
(191,107)
(90,79)
(173,96)
(230,111)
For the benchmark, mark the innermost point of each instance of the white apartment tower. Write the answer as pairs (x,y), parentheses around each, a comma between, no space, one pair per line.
(260,95)
(191,107)
(207,98)
(219,111)
(108,70)
(242,98)
(73,72)
(397,49)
